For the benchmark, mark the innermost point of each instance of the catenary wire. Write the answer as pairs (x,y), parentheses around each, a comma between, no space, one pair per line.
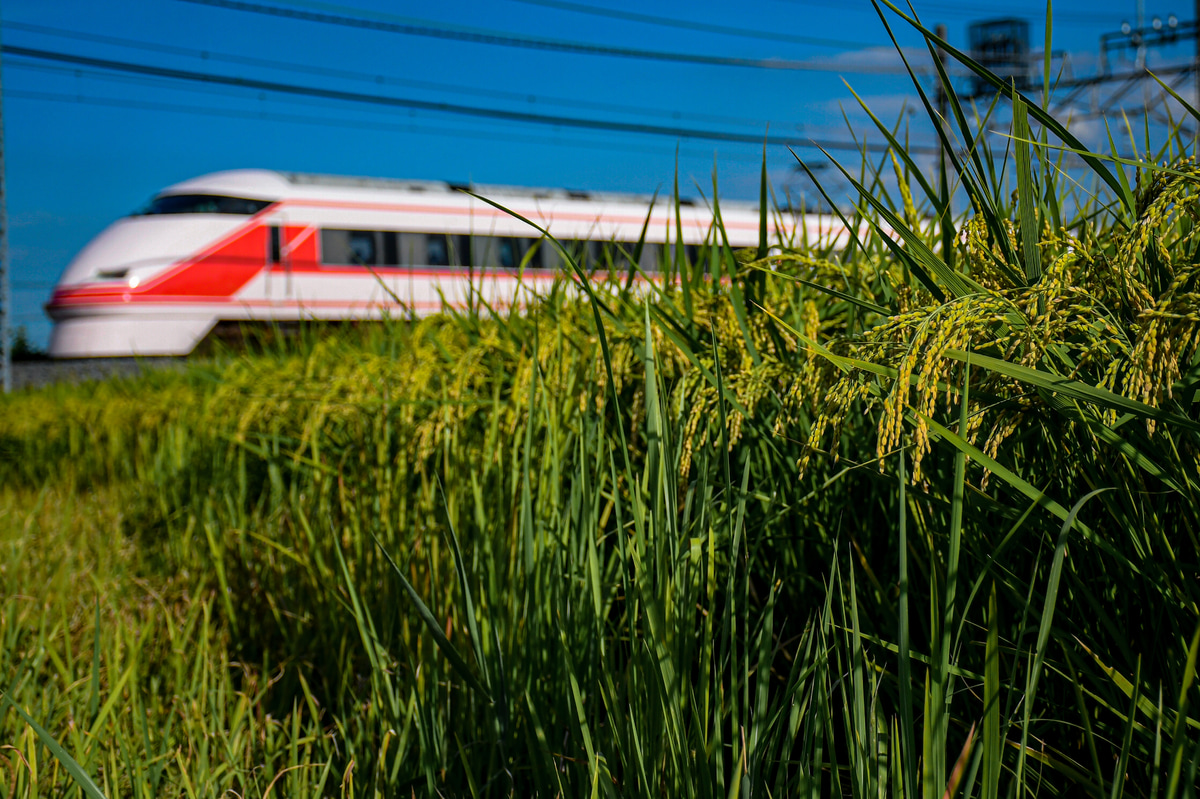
(356,124)
(233,91)
(223,90)
(374,79)
(613,126)
(170,84)
(686,24)
(989,11)
(432,30)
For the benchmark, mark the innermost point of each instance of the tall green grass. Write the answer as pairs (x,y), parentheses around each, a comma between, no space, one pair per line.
(915,518)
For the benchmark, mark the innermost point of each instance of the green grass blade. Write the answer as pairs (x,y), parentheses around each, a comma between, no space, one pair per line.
(908,754)
(1121,770)
(984,201)
(866,305)
(1122,192)
(897,146)
(1175,95)
(1030,216)
(992,742)
(1179,737)
(852,229)
(1075,389)
(1010,477)
(460,567)
(764,243)
(741,308)
(61,755)
(924,260)
(94,691)
(1046,625)
(439,637)
(941,696)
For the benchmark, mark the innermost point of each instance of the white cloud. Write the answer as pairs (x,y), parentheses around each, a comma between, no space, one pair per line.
(874,59)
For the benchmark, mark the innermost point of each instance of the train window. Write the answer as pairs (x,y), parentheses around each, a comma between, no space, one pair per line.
(549,256)
(437,250)
(349,247)
(460,251)
(202,204)
(534,253)
(362,247)
(499,251)
(483,251)
(411,247)
(612,256)
(509,252)
(274,245)
(391,249)
(651,253)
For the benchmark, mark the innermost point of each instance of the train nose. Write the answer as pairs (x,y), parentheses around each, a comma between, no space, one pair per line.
(122,333)
(133,248)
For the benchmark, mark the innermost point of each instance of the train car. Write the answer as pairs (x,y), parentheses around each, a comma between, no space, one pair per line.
(252,245)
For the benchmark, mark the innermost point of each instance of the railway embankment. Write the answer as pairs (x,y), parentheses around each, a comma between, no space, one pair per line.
(37,373)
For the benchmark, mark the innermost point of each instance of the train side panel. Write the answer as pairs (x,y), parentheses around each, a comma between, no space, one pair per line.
(156,285)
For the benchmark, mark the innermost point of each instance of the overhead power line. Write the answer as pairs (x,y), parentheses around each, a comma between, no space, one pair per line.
(975,11)
(374,79)
(687,24)
(409,127)
(613,126)
(435,31)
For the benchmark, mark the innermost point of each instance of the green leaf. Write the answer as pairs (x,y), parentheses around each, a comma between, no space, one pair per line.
(907,701)
(983,200)
(992,741)
(1039,497)
(456,660)
(61,755)
(1075,389)
(1123,192)
(1047,622)
(841,295)
(94,691)
(1030,217)
(464,585)
(1179,737)
(925,262)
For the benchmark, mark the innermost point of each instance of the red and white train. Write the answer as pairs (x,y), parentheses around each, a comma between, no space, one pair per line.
(255,245)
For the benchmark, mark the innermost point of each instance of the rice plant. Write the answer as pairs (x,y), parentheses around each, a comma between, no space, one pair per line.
(916,517)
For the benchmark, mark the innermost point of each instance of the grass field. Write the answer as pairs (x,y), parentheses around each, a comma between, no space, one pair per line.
(915,518)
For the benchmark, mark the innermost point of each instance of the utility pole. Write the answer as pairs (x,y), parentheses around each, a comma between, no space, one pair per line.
(5,286)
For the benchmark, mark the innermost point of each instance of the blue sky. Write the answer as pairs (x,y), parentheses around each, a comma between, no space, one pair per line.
(85,145)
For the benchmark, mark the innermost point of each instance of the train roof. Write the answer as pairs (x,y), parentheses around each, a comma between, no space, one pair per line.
(267,184)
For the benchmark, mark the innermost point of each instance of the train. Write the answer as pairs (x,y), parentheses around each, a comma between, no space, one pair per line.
(261,246)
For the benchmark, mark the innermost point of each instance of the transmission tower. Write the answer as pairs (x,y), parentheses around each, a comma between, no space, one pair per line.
(1002,45)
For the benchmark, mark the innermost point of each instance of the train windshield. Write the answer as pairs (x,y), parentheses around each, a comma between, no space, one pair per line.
(202,204)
